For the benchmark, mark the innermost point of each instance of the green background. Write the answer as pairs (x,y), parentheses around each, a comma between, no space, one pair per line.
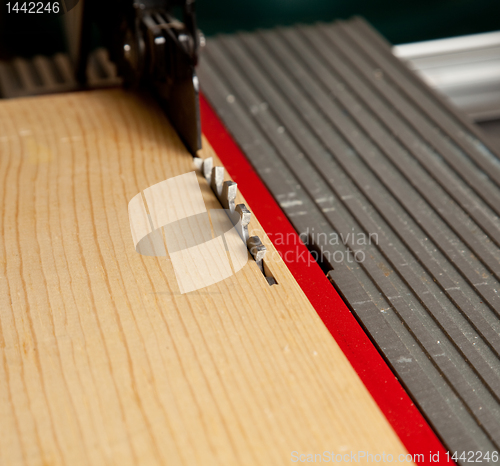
(399,21)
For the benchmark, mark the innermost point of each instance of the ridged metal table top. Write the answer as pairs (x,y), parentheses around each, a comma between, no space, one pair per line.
(358,151)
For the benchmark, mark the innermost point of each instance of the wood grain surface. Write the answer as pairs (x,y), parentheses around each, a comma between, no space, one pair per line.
(102,360)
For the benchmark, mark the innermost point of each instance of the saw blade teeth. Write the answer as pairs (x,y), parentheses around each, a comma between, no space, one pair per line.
(239,215)
(217,180)
(228,196)
(245,214)
(256,248)
(244,219)
(207,169)
(198,163)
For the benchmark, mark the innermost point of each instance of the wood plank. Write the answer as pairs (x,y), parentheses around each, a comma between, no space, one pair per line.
(102,360)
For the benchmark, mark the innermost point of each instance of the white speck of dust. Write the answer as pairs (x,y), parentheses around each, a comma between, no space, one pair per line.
(230,99)
(403,359)
(291,203)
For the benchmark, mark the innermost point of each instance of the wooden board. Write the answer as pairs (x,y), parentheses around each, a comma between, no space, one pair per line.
(102,361)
